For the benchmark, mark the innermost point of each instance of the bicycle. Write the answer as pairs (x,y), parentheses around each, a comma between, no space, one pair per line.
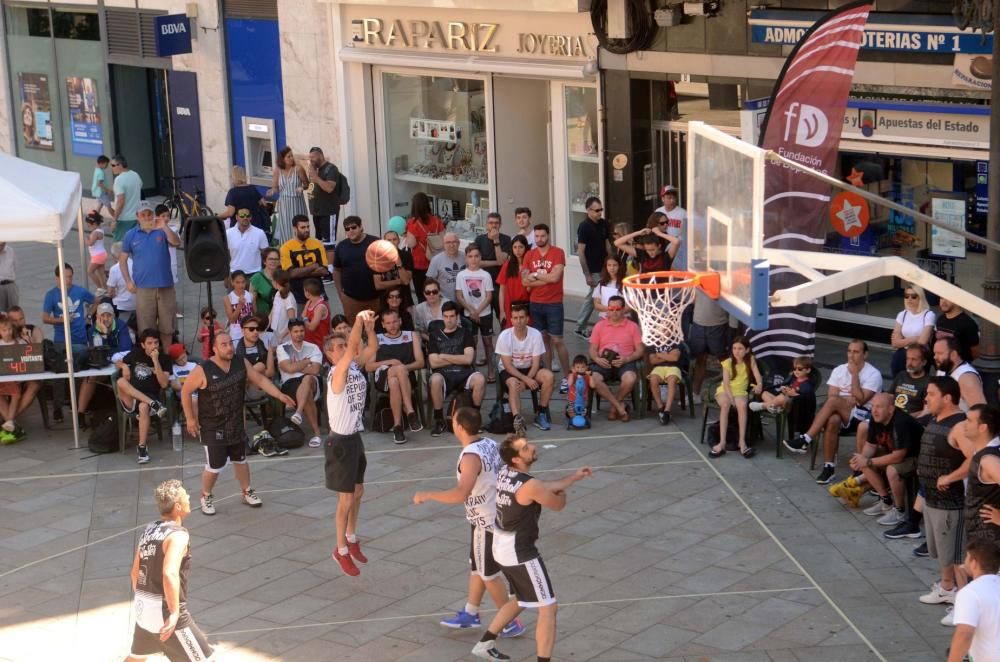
(184,205)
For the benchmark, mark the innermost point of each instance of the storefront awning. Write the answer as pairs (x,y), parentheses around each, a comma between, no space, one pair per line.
(535,68)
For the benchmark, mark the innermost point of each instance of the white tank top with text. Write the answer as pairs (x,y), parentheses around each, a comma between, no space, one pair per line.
(346,410)
(480,506)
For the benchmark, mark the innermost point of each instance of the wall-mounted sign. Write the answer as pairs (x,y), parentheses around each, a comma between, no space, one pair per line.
(975,71)
(849,214)
(914,33)
(173,35)
(437,130)
(36,111)
(918,123)
(950,212)
(85,130)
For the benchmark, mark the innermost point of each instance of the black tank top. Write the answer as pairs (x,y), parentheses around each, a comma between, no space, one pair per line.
(979,494)
(513,518)
(937,458)
(220,404)
(150,580)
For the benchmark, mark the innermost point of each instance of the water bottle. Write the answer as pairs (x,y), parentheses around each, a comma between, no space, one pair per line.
(663,392)
(176,436)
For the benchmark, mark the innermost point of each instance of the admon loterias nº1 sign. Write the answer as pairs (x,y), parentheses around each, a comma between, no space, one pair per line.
(173,35)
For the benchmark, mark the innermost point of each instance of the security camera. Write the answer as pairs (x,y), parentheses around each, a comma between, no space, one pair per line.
(710,8)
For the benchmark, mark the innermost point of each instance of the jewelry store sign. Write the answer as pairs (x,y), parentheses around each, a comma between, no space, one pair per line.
(921,124)
(471,37)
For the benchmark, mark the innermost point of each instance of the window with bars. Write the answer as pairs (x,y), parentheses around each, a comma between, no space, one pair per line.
(266,9)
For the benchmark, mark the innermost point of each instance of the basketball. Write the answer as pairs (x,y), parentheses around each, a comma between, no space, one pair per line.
(381,256)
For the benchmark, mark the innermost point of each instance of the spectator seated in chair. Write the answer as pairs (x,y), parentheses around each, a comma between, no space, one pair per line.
(665,362)
(256,352)
(398,357)
(145,371)
(740,378)
(299,364)
(180,369)
(451,352)
(794,385)
(520,349)
(615,350)
(113,335)
(15,397)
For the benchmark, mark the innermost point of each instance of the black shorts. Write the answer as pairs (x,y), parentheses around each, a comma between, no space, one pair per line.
(382,380)
(186,644)
(217,457)
(615,374)
(708,340)
(485,323)
(345,462)
(481,561)
(531,583)
(504,376)
(455,380)
(290,387)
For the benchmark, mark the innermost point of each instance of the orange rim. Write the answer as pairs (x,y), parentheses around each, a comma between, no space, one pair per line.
(708,282)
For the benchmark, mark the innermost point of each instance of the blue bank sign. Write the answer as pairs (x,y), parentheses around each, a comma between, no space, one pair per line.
(913,33)
(173,35)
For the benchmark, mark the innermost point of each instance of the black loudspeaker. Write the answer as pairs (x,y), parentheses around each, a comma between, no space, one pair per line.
(205,251)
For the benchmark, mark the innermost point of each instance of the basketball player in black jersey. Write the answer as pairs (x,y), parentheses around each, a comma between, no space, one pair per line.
(218,420)
(159,579)
(520,498)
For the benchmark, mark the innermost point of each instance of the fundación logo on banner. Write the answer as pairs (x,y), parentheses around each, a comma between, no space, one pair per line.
(811,125)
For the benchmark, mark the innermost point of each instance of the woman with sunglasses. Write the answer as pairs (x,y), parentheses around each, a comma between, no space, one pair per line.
(512,289)
(428,310)
(654,249)
(401,274)
(395,299)
(914,325)
(287,181)
(262,285)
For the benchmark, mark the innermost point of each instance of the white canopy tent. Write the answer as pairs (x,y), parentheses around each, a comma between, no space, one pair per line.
(41,204)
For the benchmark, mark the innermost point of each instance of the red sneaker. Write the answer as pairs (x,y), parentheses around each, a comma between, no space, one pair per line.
(346,564)
(354,550)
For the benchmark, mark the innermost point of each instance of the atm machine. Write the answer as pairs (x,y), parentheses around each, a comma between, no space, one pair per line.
(260,148)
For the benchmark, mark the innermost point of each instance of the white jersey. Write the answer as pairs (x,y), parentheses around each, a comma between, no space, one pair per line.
(956,374)
(480,506)
(346,410)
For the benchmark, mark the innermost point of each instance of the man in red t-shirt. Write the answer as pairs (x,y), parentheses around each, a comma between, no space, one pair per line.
(542,273)
(615,349)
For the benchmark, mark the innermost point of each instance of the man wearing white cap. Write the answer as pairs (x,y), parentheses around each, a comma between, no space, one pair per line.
(676,221)
(151,278)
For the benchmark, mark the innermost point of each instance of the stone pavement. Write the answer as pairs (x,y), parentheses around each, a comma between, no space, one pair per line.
(661,555)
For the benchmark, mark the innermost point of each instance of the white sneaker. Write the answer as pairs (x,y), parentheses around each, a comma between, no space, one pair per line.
(297,418)
(207,504)
(949,617)
(696,398)
(892,518)
(756,406)
(315,442)
(251,499)
(939,595)
(488,651)
(878,508)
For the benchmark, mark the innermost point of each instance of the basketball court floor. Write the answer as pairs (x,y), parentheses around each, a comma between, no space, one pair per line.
(662,555)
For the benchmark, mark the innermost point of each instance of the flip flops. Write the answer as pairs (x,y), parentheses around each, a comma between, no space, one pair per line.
(748,452)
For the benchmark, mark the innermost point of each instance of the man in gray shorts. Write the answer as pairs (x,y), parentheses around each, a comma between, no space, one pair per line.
(940,470)
(708,334)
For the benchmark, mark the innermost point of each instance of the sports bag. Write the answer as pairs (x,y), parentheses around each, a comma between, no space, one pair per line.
(286,433)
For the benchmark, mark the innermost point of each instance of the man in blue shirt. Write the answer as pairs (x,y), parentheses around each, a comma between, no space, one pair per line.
(77,299)
(151,278)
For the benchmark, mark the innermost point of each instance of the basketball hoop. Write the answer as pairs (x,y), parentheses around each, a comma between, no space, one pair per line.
(660,297)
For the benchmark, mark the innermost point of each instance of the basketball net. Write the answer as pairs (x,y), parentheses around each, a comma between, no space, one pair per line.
(660,298)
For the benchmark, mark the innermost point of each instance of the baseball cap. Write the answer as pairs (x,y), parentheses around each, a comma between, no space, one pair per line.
(175,351)
(669,188)
(105,308)
(144,205)
(313,150)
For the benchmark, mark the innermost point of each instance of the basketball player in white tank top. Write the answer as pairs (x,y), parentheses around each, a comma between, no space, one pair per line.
(344,450)
(478,464)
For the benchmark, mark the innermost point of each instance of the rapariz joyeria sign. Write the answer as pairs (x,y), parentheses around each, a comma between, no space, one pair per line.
(463,36)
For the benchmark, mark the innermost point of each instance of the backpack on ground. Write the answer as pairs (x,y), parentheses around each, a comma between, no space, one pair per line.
(286,434)
(383,420)
(732,433)
(501,420)
(104,435)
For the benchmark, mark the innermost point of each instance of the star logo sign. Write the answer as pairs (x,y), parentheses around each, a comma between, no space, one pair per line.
(856,178)
(849,214)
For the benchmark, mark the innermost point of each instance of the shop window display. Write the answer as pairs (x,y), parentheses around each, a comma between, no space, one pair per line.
(436,135)
(583,163)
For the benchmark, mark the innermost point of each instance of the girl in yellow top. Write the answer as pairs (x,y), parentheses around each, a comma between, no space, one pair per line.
(734,391)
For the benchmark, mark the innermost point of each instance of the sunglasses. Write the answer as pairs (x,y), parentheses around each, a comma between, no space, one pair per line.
(612,309)
(348,228)
(910,296)
(596,210)
(243,216)
(662,223)
(430,292)
(251,328)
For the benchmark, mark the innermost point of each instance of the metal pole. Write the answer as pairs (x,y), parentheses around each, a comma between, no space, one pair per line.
(83,251)
(989,355)
(68,341)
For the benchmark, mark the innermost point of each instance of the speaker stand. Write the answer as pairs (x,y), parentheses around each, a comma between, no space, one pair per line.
(211,327)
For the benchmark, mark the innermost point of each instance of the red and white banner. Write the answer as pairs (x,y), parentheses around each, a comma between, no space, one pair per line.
(804,123)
